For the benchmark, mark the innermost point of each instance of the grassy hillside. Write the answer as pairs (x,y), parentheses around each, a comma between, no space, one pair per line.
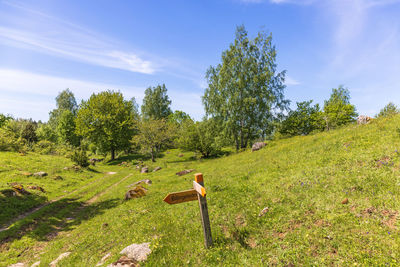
(302,180)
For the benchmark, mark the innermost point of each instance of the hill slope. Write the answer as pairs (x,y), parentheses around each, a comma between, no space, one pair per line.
(303,181)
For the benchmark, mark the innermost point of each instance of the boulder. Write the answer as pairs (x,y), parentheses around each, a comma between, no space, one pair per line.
(124,261)
(363,119)
(184,172)
(136,192)
(156,169)
(35,187)
(40,174)
(257,146)
(137,252)
(145,169)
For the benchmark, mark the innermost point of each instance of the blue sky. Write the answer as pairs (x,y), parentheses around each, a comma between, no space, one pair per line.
(90,46)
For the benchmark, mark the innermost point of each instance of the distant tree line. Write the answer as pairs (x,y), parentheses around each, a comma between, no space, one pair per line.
(244,102)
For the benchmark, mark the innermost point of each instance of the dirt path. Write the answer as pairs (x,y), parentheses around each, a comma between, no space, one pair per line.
(26,214)
(93,199)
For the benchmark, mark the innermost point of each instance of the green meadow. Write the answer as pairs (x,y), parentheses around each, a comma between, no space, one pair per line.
(332,198)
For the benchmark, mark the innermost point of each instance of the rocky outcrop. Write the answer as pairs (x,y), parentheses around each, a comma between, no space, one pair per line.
(257,146)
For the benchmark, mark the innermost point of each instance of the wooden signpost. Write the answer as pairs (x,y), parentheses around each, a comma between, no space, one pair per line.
(198,192)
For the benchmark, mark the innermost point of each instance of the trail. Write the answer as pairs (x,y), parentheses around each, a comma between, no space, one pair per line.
(93,199)
(90,201)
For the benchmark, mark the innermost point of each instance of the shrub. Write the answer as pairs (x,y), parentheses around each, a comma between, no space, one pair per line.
(80,158)
(389,110)
(8,141)
(44,147)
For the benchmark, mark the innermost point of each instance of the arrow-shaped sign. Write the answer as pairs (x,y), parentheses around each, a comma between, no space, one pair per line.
(179,197)
(199,188)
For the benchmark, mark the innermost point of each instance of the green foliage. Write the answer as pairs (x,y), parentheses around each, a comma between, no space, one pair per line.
(28,132)
(80,158)
(156,103)
(45,132)
(66,128)
(153,136)
(203,137)
(4,119)
(389,110)
(337,110)
(245,90)
(107,120)
(45,147)
(64,101)
(178,117)
(8,141)
(302,121)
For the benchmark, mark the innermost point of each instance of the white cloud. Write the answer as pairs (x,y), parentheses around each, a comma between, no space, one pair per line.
(25,94)
(290,81)
(46,34)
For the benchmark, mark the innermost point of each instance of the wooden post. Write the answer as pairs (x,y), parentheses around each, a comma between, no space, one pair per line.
(205,220)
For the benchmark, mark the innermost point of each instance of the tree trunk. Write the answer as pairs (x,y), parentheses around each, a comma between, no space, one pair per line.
(236,142)
(152,155)
(112,153)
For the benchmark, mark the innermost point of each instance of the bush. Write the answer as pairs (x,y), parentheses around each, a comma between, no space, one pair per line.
(80,158)
(44,147)
(8,141)
(389,110)
(203,137)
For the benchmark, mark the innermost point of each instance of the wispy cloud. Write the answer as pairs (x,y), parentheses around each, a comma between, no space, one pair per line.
(290,81)
(26,94)
(44,33)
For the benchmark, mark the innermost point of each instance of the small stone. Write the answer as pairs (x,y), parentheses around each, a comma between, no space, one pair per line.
(145,181)
(111,173)
(58,177)
(62,256)
(137,252)
(19,264)
(26,173)
(145,170)
(345,201)
(36,264)
(156,169)
(124,261)
(40,174)
(101,262)
(184,172)
(262,213)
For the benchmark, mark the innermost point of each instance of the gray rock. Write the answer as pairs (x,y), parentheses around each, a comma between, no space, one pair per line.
(257,146)
(101,262)
(19,264)
(145,170)
(262,213)
(184,172)
(145,181)
(36,264)
(124,261)
(137,252)
(62,256)
(40,174)
(156,169)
